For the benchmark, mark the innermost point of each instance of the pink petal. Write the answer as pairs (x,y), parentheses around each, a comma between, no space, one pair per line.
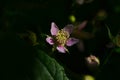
(72,41)
(54,29)
(50,40)
(61,49)
(82,25)
(68,28)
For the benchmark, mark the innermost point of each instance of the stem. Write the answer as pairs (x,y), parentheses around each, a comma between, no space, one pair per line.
(107,58)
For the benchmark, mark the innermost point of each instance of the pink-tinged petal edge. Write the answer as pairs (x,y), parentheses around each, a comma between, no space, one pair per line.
(82,25)
(50,40)
(54,29)
(61,49)
(80,45)
(72,41)
(68,28)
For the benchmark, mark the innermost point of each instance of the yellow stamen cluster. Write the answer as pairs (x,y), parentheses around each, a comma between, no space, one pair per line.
(62,37)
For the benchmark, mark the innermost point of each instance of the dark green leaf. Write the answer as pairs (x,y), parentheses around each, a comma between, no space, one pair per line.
(117,50)
(47,68)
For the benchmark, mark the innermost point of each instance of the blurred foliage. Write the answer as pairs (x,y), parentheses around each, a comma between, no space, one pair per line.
(24,24)
(46,68)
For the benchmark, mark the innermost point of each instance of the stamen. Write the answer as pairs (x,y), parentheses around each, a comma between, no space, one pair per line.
(62,37)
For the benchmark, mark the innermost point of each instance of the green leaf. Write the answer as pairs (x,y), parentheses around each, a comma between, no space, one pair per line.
(117,50)
(109,33)
(47,68)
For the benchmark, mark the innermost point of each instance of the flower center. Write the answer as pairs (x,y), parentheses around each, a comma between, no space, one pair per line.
(62,37)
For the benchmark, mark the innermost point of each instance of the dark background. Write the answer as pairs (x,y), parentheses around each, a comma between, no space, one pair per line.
(17,16)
